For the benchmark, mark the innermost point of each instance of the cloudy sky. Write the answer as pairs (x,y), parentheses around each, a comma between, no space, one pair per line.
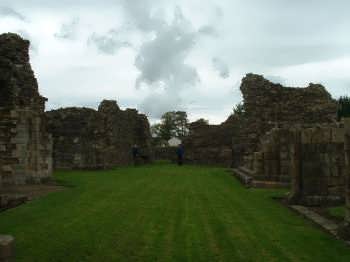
(159,55)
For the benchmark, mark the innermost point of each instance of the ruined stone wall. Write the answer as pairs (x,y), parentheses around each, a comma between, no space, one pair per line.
(86,138)
(318,169)
(165,153)
(25,145)
(208,144)
(273,161)
(268,105)
(265,106)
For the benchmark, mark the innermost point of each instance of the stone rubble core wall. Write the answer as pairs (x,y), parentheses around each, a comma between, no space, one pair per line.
(209,144)
(267,105)
(88,139)
(25,144)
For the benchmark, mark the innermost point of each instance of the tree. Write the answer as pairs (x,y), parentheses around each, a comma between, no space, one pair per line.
(343,107)
(181,123)
(239,110)
(173,124)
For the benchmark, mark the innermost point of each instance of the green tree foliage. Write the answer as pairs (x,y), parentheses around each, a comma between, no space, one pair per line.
(344,107)
(173,124)
(202,121)
(238,110)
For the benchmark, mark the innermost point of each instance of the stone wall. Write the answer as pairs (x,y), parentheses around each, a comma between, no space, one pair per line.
(165,153)
(267,105)
(86,138)
(209,144)
(347,159)
(25,145)
(273,161)
(318,166)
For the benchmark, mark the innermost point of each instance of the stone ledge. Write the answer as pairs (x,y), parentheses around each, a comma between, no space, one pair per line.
(326,224)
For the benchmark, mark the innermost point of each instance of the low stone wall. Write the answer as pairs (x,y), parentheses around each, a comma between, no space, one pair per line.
(165,153)
(312,159)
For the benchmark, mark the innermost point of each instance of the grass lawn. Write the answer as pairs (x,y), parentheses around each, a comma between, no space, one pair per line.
(338,212)
(163,213)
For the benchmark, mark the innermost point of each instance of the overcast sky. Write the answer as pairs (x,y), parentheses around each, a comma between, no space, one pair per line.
(182,54)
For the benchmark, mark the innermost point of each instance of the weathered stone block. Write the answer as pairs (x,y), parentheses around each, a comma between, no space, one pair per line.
(7,248)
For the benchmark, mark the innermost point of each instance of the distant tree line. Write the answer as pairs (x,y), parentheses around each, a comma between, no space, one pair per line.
(343,107)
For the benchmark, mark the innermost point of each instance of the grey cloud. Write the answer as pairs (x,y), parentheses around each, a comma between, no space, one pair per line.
(142,15)
(68,30)
(221,67)
(208,30)
(156,104)
(162,60)
(7,11)
(108,44)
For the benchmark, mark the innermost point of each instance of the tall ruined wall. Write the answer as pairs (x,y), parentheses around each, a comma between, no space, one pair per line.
(267,105)
(25,145)
(86,138)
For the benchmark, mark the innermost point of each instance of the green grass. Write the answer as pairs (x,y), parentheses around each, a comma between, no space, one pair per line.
(338,212)
(163,213)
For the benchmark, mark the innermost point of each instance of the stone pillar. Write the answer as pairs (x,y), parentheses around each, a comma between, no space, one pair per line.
(6,248)
(296,193)
(344,231)
(347,162)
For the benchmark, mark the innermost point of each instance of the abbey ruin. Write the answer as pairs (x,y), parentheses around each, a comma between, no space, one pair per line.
(283,136)
(33,142)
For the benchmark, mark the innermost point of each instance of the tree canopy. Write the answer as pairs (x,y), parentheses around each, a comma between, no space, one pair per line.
(173,124)
(343,107)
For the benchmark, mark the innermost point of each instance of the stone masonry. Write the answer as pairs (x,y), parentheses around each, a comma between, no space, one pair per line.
(318,169)
(345,231)
(25,145)
(88,139)
(209,144)
(267,105)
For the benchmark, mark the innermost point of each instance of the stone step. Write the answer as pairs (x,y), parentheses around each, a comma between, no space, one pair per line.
(325,223)
(247,171)
(243,177)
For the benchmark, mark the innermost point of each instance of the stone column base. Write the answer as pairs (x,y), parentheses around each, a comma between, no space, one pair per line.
(6,248)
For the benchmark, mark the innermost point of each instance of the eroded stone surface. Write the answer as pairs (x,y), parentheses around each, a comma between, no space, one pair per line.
(25,144)
(267,105)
